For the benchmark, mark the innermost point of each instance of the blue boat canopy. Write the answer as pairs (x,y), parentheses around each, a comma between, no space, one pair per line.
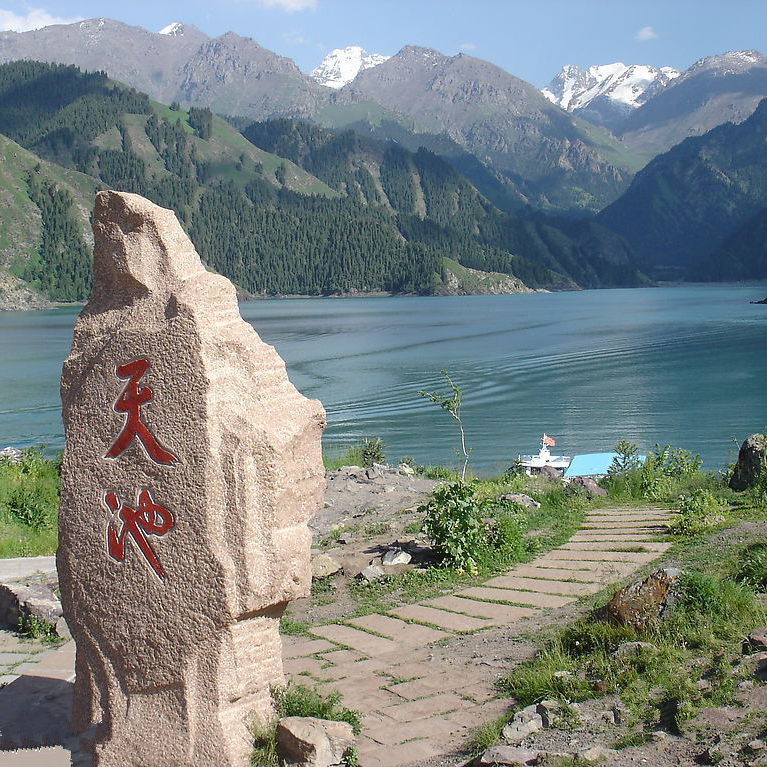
(593,464)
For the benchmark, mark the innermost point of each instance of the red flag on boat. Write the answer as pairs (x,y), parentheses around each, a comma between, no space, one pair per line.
(548,441)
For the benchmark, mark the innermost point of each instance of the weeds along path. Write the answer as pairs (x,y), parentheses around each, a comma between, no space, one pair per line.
(418,694)
(416,707)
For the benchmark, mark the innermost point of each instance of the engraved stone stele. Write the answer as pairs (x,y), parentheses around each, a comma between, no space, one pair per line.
(191,467)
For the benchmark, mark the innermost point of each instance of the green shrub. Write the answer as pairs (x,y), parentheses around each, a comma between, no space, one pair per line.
(373,451)
(699,511)
(752,566)
(626,460)
(453,521)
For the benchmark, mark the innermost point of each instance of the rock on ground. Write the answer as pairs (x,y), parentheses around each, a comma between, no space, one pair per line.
(750,463)
(643,602)
(304,741)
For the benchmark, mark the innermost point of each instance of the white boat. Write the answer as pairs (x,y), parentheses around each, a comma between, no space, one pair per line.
(532,464)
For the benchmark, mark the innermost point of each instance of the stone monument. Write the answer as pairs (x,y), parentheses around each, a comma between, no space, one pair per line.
(191,467)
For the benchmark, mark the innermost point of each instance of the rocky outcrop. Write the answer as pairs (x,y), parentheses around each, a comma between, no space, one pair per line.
(463,281)
(641,604)
(751,462)
(17,296)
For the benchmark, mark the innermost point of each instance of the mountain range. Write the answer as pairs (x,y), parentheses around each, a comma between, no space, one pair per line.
(434,162)
(283,207)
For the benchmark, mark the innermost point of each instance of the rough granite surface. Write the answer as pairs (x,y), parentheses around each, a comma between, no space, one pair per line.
(181,544)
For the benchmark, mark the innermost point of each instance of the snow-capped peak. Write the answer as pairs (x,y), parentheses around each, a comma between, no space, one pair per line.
(342,65)
(176,29)
(627,87)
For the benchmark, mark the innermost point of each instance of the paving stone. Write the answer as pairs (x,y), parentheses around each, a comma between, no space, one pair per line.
(480,693)
(606,571)
(425,707)
(614,546)
(398,732)
(342,656)
(356,639)
(628,517)
(404,633)
(499,614)
(12,658)
(595,537)
(7,679)
(531,571)
(395,756)
(365,744)
(422,688)
(39,757)
(415,670)
(603,556)
(520,597)
(296,666)
(304,647)
(544,586)
(378,700)
(649,527)
(445,620)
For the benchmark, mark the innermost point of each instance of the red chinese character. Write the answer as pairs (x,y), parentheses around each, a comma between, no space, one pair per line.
(148,518)
(129,402)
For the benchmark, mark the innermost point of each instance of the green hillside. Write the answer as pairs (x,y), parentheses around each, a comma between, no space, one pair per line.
(687,203)
(286,208)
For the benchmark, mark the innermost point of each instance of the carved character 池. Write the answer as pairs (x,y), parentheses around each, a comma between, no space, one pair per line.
(130,401)
(148,518)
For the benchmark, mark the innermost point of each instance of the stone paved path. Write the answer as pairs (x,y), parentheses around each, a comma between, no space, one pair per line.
(414,706)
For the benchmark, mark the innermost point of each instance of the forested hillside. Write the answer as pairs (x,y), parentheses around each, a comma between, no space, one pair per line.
(435,205)
(682,209)
(317,214)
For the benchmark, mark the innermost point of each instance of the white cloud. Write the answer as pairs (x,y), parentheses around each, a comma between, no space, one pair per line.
(646,33)
(291,6)
(467,47)
(35,18)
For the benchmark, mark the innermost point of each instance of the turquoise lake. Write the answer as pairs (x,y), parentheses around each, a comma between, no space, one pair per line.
(685,366)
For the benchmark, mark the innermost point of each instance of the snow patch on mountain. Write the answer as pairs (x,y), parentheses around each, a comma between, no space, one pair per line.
(730,63)
(342,65)
(176,29)
(626,86)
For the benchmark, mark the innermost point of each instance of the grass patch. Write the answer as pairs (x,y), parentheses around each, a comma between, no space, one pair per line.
(299,700)
(289,627)
(700,640)
(29,502)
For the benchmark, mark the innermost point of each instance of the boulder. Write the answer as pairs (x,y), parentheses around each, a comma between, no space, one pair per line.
(507,755)
(19,602)
(303,741)
(522,500)
(751,461)
(594,754)
(627,649)
(12,454)
(324,565)
(372,572)
(550,472)
(524,723)
(756,641)
(552,710)
(406,469)
(642,603)
(589,485)
(396,557)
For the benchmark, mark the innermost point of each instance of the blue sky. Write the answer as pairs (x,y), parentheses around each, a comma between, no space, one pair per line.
(532,39)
